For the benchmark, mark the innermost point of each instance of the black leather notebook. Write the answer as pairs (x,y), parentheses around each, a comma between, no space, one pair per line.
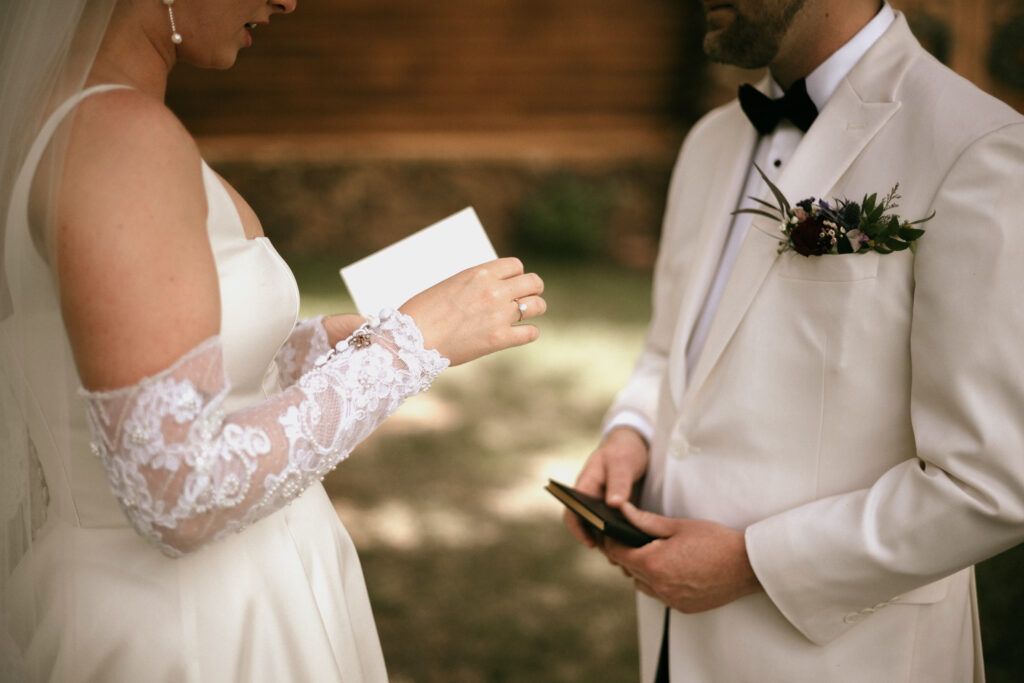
(598,515)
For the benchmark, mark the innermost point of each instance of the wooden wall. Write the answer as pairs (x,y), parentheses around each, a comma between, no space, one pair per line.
(457,65)
(358,66)
(982,40)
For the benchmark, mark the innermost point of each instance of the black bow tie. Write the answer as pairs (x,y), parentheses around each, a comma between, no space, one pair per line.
(765,113)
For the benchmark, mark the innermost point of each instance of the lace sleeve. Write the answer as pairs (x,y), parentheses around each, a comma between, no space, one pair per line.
(298,355)
(186,473)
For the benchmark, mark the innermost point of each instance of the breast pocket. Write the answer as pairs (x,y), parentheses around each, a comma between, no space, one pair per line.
(830,267)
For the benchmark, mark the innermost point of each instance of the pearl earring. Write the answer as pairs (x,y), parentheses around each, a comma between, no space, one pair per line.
(175,36)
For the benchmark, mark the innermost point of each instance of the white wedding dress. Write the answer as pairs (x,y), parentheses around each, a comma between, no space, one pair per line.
(282,599)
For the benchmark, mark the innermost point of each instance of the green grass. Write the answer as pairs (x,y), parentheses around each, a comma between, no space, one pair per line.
(471,574)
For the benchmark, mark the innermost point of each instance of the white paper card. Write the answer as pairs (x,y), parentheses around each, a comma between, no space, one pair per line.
(390,277)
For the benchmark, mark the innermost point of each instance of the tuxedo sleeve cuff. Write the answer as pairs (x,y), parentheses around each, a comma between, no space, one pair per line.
(632,419)
(777,562)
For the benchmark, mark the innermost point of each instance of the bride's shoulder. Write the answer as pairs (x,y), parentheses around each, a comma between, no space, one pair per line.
(127,111)
(127,150)
(128,128)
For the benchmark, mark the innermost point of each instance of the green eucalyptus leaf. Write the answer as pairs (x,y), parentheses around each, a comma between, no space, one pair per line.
(759,212)
(783,202)
(893,225)
(925,219)
(909,234)
(764,203)
(875,215)
(886,230)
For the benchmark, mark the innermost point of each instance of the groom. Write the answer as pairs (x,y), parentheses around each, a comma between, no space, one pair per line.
(826,444)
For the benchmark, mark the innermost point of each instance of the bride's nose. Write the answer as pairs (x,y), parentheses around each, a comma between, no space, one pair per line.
(284,6)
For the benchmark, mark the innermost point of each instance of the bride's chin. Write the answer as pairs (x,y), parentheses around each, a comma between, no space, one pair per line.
(221,61)
(227,64)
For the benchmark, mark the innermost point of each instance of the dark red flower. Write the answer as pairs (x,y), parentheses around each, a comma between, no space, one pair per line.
(807,238)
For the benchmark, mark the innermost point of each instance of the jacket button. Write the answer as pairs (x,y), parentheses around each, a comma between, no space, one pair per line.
(679,449)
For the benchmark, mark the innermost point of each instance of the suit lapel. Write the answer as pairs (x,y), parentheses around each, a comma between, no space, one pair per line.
(833,143)
(725,184)
(842,130)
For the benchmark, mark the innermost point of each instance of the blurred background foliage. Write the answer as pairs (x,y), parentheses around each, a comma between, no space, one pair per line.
(353,123)
(566,217)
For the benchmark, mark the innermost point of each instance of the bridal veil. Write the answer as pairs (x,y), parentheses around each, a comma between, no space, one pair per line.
(46,50)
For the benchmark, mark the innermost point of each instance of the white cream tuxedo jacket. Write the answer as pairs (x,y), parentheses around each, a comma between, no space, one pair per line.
(860,416)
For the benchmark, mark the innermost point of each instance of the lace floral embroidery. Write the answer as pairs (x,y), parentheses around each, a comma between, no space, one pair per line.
(185,473)
(307,342)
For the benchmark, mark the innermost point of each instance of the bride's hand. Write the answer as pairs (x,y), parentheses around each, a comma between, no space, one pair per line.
(476,312)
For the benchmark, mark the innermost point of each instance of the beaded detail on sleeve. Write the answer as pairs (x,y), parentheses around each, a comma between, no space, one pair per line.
(186,473)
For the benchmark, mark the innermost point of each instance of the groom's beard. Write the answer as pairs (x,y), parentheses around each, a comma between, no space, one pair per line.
(750,40)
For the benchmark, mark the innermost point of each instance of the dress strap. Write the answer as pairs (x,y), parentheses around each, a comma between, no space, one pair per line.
(35,153)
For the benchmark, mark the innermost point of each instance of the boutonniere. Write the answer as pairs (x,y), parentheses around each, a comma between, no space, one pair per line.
(813,227)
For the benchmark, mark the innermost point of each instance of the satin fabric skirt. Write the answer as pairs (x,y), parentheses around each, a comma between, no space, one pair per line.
(283,600)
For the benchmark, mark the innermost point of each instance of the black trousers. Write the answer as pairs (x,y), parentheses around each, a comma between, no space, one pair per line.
(662,675)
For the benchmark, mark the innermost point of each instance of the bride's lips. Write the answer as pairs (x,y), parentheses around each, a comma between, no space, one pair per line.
(249,26)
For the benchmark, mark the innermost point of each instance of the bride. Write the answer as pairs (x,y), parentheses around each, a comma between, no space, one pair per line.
(165,420)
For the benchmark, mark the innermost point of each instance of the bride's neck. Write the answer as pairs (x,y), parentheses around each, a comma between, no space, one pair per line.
(130,55)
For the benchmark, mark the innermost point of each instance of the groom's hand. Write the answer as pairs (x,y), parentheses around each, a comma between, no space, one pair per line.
(611,473)
(693,566)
